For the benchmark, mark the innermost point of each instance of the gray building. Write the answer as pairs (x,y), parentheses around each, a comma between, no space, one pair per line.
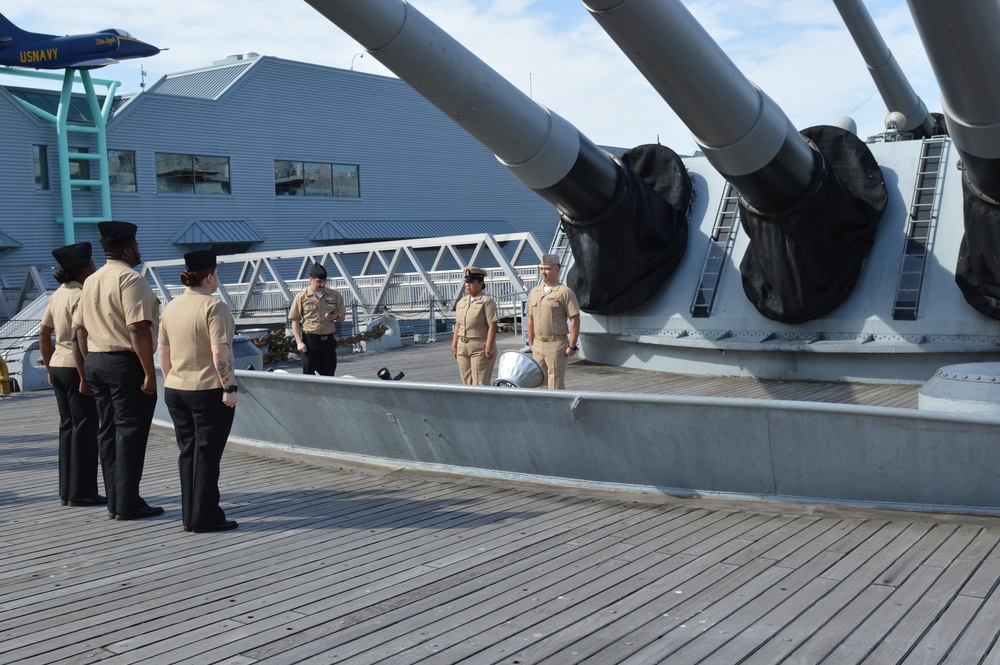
(257,153)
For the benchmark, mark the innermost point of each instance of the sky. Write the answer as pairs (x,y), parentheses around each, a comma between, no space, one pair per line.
(797,51)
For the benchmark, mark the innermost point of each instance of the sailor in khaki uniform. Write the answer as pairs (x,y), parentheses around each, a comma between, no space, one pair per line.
(199,388)
(314,315)
(474,340)
(115,329)
(77,411)
(550,305)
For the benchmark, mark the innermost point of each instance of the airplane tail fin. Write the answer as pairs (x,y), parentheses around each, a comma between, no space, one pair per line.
(9,31)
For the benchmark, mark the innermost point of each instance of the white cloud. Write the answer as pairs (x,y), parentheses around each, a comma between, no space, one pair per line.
(799,52)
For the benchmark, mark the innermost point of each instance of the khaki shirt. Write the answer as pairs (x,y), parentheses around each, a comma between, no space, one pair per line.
(59,316)
(192,322)
(475,316)
(550,311)
(113,298)
(311,311)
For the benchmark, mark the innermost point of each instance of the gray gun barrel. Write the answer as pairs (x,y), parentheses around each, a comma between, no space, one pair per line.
(892,85)
(960,40)
(742,132)
(544,151)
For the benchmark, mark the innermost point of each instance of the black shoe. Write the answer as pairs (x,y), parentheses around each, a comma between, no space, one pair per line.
(111,515)
(142,513)
(64,502)
(96,500)
(228,525)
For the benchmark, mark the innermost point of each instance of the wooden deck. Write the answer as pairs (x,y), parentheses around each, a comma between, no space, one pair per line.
(433,363)
(342,564)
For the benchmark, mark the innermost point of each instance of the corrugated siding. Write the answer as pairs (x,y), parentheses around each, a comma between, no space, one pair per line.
(357,229)
(414,163)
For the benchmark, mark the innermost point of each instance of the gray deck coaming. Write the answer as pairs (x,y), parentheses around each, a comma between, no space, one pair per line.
(705,534)
(854,449)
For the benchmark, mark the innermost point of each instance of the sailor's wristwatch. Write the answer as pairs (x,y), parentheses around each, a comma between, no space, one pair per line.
(231,389)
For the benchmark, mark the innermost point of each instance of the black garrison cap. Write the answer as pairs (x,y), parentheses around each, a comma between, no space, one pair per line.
(80,252)
(115,230)
(200,260)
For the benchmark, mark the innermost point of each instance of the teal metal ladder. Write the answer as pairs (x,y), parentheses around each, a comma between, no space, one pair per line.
(63,130)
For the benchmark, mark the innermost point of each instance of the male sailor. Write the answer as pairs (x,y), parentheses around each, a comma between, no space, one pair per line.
(314,314)
(553,323)
(115,328)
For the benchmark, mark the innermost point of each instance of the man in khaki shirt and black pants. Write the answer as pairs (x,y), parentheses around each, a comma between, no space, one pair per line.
(550,306)
(314,315)
(115,329)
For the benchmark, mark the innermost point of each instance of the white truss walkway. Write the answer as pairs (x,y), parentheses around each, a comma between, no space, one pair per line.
(406,277)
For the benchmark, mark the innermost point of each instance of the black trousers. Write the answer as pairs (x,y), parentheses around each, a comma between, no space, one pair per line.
(77,436)
(321,355)
(202,424)
(126,415)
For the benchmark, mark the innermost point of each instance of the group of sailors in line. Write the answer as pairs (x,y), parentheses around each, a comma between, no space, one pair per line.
(106,322)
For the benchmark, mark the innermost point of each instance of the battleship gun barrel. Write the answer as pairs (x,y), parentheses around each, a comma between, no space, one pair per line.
(960,40)
(892,85)
(540,148)
(742,132)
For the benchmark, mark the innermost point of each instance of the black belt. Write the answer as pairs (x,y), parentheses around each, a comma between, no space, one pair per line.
(321,338)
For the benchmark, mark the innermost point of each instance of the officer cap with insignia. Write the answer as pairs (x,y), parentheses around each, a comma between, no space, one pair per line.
(550,260)
(117,230)
(78,254)
(203,259)
(474,274)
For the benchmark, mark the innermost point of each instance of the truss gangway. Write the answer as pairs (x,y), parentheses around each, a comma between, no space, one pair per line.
(408,278)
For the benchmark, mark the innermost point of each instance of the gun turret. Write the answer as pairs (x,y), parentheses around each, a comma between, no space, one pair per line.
(606,205)
(810,203)
(959,38)
(892,85)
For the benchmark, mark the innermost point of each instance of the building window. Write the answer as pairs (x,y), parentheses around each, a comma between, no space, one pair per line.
(345,180)
(315,179)
(200,174)
(121,170)
(79,169)
(41,157)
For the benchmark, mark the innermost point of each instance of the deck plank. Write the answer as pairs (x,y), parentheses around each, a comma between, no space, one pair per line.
(358,564)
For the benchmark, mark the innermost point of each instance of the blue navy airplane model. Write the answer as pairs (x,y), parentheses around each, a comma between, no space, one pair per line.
(20,48)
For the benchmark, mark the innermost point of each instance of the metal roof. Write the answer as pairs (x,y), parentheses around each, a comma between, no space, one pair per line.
(208,83)
(218,232)
(6,242)
(355,230)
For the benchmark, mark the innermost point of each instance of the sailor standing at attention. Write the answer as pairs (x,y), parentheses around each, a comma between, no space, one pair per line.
(550,306)
(199,388)
(115,330)
(473,342)
(77,411)
(314,314)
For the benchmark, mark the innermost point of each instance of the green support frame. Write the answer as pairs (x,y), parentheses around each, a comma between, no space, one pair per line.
(63,129)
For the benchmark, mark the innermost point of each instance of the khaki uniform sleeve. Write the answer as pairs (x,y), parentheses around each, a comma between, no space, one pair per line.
(572,304)
(47,319)
(491,311)
(295,311)
(221,326)
(138,301)
(162,339)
